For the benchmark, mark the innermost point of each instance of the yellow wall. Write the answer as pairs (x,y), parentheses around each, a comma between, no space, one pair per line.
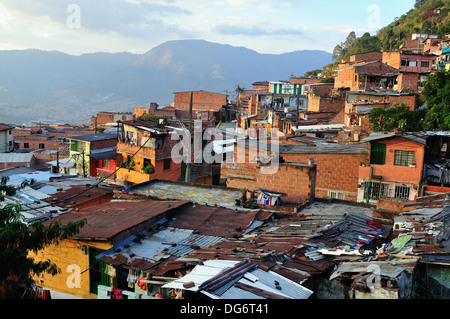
(71,261)
(79,158)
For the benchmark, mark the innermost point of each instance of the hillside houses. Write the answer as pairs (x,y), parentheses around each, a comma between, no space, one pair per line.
(301,201)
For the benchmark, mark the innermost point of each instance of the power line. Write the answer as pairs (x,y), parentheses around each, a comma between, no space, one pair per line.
(88,188)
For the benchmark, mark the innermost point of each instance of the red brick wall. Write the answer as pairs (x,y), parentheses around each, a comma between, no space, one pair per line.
(201,100)
(367,57)
(326,104)
(345,77)
(50,143)
(105,118)
(96,145)
(304,80)
(7,165)
(408,100)
(392,58)
(336,172)
(408,80)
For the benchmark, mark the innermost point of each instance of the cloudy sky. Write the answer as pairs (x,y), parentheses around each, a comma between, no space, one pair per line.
(266,26)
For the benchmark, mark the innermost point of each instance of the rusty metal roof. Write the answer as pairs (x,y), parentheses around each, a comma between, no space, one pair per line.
(107,221)
(215,221)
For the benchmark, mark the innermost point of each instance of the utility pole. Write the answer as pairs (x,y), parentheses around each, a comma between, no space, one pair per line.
(57,162)
(84,168)
(298,103)
(188,162)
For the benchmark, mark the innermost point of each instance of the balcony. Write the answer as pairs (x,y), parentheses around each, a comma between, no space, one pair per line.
(129,149)
(130,176)
(406,174)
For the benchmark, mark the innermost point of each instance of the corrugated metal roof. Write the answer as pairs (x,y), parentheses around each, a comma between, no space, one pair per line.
(193,243)
(143,253)
(203,195)
(15,157)
(381,136)
(107,221)
(257,278)
(93,137)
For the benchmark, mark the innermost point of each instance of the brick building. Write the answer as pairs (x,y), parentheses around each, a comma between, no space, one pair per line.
(295,181)
(414,68)
(201,100)
(359,104)
(145,148)
(393,167)
(366,76)
(105,118)
(37,142)
(11,160)
(334,167)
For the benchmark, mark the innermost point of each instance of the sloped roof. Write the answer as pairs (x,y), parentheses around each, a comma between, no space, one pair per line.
(107,221)
(381,136)
(376,68)
(16,157)
(93,137)
(4,127)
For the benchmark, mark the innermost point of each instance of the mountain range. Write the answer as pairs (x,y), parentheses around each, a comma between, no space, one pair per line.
(54,87)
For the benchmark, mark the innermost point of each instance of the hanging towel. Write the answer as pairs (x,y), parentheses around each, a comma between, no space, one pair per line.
(111,271)
(141,284)
(116,293)
(131,279)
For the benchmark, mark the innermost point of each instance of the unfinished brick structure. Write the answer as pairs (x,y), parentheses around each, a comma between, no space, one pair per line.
(103,118)
(295,180)
(333,171)
(201,100)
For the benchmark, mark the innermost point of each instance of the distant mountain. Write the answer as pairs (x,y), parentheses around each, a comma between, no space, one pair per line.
(52,86)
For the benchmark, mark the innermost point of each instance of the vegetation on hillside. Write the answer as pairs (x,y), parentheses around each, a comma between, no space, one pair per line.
(427,16)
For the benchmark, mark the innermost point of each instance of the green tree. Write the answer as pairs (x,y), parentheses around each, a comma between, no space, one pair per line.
(399,118)
(437,96)
(17,240)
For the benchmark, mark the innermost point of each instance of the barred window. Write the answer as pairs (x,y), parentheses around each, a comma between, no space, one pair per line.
(375,190)
(404,158)
(402,192)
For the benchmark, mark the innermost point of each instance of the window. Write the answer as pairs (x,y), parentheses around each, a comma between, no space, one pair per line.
(377,153)
(404,158)
(402,192)
(105,163)
(26,145)
(41,146)
(404,62)
(167,164)
(425,64)
(337,195)
(375,190)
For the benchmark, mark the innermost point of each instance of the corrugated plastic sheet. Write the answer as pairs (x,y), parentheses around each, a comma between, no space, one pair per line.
(256,278)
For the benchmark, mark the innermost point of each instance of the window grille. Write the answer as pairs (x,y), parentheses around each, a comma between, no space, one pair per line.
(404,158)
(337,195)
(402,192)
(375,190)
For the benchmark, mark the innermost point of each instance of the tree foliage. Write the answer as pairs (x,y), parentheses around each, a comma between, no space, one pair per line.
(17,240)
(437,96)
(399,118)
